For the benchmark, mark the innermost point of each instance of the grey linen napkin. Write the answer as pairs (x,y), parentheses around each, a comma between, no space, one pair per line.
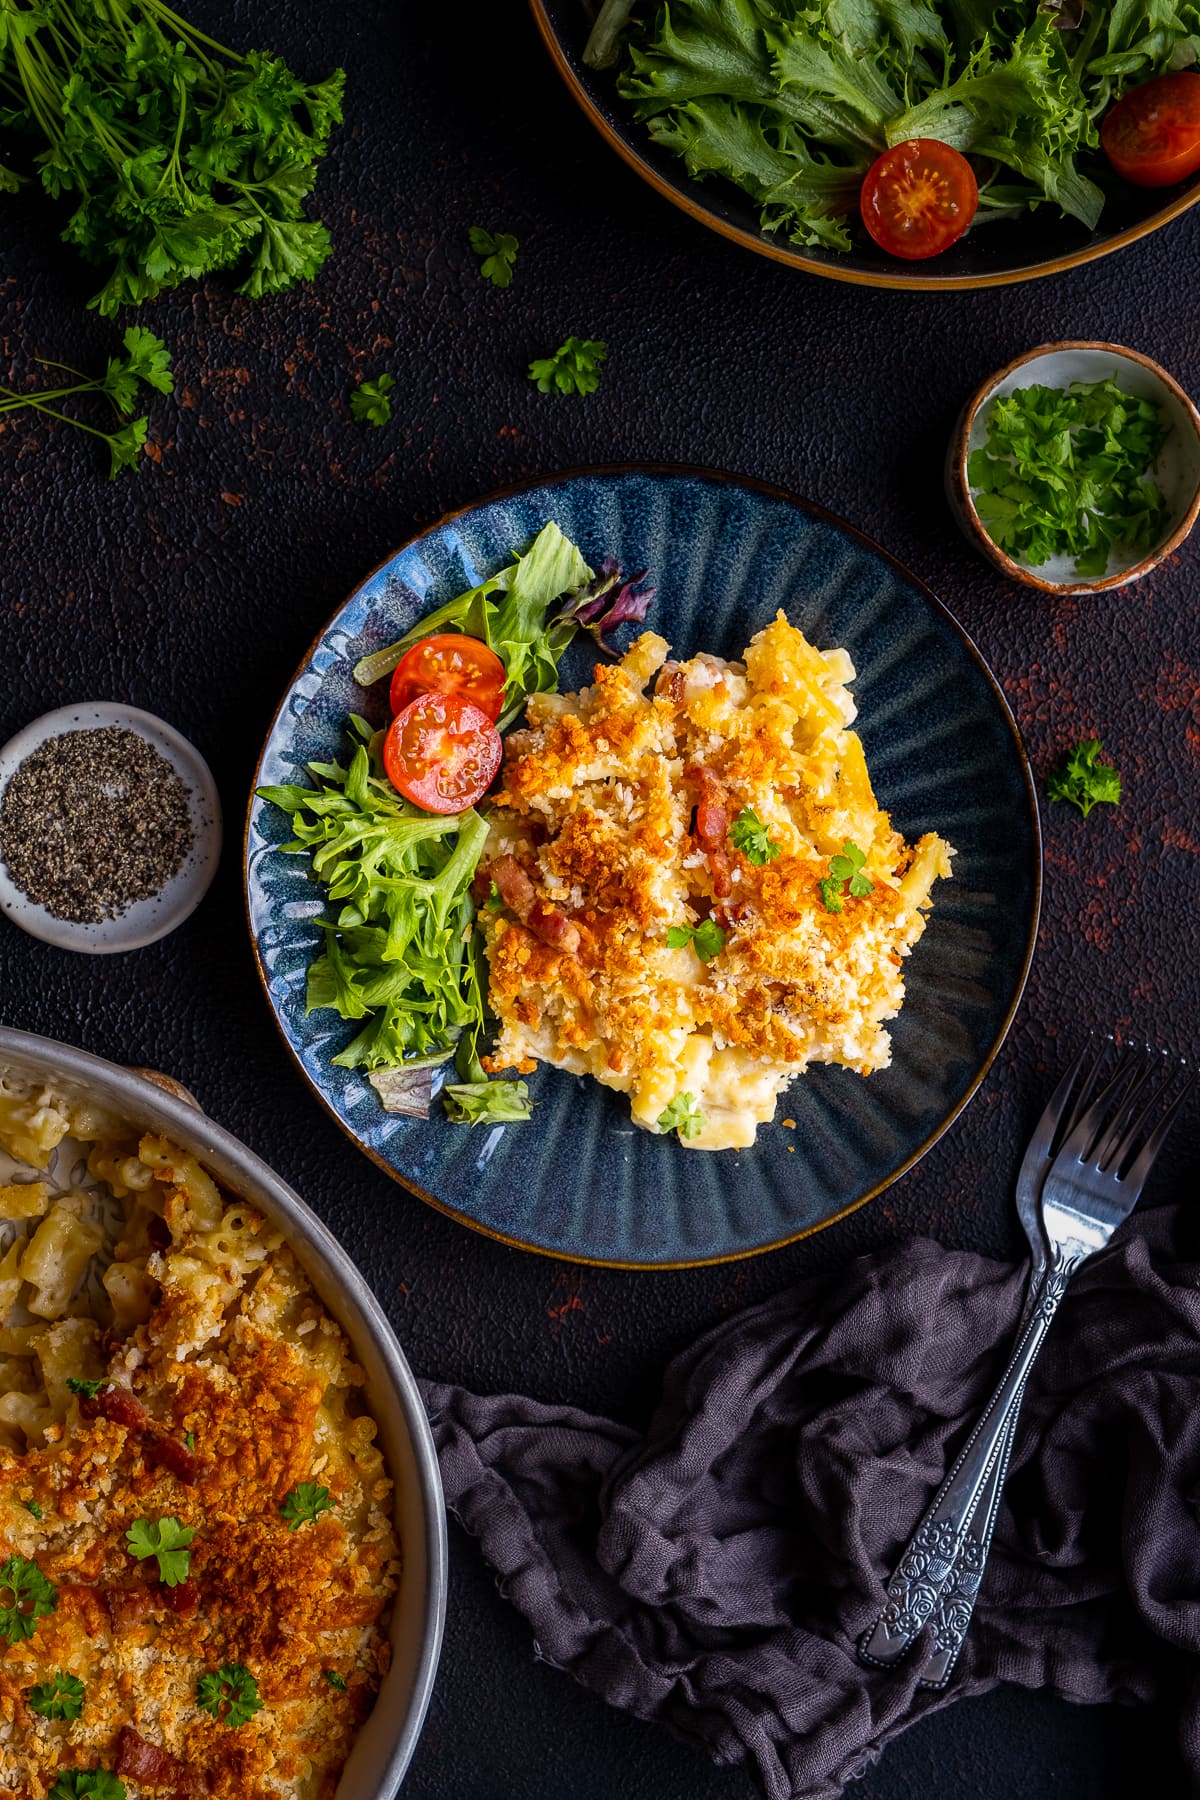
(716,1570)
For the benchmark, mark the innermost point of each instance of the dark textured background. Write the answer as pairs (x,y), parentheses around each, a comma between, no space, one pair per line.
(193,589)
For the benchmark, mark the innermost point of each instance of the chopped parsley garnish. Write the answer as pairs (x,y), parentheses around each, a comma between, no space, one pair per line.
(25,1597)
(749,835)
(369,403)
(487,1102)
(59,1698)
(335,1680)
(304,1504)
(1083,780)
(33,1507)
(495,899)
(707,939)
(88,1389)
(683,1116)
(499,253)
(87,1784)
(573,369)
(189,1439)
(1064,472)
(845,869)
(233,1688)
(168,1540)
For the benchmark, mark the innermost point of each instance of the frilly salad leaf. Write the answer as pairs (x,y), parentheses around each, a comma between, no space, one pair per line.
(793,99)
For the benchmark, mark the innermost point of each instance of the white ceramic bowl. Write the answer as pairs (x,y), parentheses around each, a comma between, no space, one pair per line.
(146,920)
(385,1744)
(1177,470)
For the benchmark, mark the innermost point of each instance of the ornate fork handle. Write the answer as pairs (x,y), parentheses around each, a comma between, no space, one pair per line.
(945,1548)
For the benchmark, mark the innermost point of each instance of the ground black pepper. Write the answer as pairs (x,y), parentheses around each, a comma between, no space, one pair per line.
(92,821)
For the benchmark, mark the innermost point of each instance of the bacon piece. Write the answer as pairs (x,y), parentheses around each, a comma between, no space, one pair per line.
(513,885)
(183,1598)
(119,1405)
(150,1763)
(671,683)
(170,1454)
(712,827)
(552,925)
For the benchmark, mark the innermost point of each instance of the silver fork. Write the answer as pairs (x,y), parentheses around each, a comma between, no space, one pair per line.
(956,1597)
(1092,1185)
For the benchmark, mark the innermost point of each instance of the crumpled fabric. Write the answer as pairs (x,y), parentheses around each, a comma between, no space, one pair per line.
(716,1571)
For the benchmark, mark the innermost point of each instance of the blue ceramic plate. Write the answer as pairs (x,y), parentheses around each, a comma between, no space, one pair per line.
(579,1180)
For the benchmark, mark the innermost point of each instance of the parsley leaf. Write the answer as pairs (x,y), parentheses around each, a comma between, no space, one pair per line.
(87,1784)
(304,1504)
(486,1102)
(33,1507)
(369,402)
(146,361)
(749,835)
(233,1688)
(683,1116)
(88,1389)
(1064,472)
(845,874)
(499,253)
(707,939)
(1085,781)
(25,1597)
(168,1540)
(335,1680)
(59,1698)
(189,1439)
(573,369)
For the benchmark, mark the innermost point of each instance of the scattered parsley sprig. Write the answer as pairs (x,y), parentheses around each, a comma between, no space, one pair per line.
(230,1694)
(87,1390)
(1064,472)
(369,403)
(750,836)
(168,1540)
(59,1698)
(845,875)
(335,1680)
(146,360)
(499,253)
(683,1115)
(304,1504)
(1084,780)
(573,369)
(707,939)
(25,1597)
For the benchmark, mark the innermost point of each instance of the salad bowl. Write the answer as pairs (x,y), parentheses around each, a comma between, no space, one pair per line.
(1002,252)
(579,1180)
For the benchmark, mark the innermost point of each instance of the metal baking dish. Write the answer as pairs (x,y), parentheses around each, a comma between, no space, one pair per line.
(386,1743)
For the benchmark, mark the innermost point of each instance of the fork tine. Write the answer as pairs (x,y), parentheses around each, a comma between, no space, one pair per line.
(1119,1139)
(1136,1175)
(1062,1108)
(1096,1121)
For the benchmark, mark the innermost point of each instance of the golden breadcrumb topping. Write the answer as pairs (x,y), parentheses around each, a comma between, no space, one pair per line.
(232,1409)
(624,816)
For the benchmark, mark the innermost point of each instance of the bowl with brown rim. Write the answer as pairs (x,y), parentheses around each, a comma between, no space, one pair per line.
(1176,470)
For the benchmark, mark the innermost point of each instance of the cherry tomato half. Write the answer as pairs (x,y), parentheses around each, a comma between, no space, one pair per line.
(441,752)
(1152,136)
(918,198)
(450,663)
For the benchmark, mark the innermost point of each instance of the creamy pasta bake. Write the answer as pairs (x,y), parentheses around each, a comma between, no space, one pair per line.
(196,1543)
(693,891)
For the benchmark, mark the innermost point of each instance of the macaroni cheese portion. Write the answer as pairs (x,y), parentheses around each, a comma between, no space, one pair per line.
(196,1542)
(693,892)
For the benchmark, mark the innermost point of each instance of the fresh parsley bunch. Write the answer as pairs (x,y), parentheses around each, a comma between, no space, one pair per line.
(1084,780)
(25,1597)
(573,369)
(181,156)
(1065,472)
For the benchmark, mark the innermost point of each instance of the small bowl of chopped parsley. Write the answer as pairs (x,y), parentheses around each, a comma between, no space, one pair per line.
(1077,467)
